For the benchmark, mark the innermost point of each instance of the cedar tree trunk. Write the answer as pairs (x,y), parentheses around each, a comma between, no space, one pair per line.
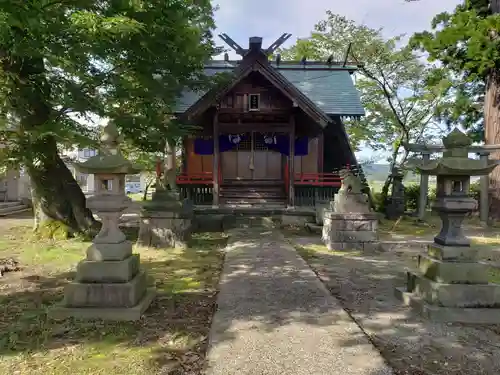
(492,127)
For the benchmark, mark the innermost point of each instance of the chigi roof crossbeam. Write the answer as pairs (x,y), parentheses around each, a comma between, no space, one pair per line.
(255,43)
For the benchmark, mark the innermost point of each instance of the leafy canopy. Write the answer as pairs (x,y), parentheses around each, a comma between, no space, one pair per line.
(392,83)
(126,60)
(466,43)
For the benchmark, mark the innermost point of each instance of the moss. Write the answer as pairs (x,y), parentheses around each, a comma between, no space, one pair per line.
(53,229)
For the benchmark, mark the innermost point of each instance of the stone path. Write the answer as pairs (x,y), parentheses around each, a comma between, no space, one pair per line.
(275,317)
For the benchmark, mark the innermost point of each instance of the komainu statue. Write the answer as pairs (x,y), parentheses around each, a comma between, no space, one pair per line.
(350,197)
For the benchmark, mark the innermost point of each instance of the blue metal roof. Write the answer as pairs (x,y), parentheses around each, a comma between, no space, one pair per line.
(332,91)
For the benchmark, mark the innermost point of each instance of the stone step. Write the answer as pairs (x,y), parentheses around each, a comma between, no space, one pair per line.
(9,204)
(12,210)
(251,201)
(314,228)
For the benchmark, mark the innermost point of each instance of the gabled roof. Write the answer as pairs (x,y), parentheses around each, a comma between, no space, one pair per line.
(332,91)
(256,61)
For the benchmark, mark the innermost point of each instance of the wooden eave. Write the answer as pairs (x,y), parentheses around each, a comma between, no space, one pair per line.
(259,63)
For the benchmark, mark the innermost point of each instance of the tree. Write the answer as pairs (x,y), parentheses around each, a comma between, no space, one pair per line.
(122,60)
(467,42)
(392,82)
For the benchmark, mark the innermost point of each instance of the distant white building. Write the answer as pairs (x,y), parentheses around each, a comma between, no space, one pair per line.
(87,182)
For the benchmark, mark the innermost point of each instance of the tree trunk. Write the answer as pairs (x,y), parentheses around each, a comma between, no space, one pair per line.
(492,136)
(58,201)
(384,194)
(492,128)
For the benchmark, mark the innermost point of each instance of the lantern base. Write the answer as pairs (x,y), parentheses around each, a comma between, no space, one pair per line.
(105,313)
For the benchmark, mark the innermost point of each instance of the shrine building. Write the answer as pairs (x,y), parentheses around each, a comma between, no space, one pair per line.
(271,133)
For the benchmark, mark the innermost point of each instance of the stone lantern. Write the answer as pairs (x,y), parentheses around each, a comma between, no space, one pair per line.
(451,284)
(109,283)
(396,205)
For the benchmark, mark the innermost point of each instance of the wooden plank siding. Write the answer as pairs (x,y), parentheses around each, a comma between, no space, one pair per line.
(197,163)
(204,163)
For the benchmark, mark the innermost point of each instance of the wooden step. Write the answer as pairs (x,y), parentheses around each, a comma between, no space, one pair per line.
(253,194)
(252,201)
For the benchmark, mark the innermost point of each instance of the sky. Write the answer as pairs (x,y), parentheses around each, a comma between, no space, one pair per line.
(269,19)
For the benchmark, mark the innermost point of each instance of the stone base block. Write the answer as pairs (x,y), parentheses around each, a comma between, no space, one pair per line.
(120,271)
(109,251)
(453,295)
(165,229)
(350,231)
(106,294)
(320,210)
(350,221)
(366,247)
(452,272)
(105,313)
(294,220)
(453,253)
(448,314)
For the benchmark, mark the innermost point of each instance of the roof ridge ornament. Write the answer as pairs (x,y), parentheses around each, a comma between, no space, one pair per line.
(257,41)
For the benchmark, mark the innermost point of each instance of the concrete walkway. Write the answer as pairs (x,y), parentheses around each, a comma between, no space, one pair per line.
(275,317)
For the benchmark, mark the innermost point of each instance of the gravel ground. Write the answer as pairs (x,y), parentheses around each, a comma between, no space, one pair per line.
(365,287)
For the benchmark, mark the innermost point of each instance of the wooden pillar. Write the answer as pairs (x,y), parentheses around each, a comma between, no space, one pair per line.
(321,156)
(215,172)
(424,189)
(484,202)
(291,160)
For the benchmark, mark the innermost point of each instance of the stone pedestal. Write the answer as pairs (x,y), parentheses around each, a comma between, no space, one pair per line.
(166,222)
(109,283)
(350,231)
(320,209)
(450,284)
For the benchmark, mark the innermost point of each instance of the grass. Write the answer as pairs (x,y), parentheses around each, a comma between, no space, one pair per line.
(170,339)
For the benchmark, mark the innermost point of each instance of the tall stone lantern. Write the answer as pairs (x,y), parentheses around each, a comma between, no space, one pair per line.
(451,284)
(109,283)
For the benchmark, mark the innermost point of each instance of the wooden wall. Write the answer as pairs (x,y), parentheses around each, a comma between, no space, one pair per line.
(308,163)
(270,97)
(204,163)
(196,163)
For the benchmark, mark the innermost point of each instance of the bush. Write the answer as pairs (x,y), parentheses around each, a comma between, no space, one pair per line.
(377,201)
(412,195)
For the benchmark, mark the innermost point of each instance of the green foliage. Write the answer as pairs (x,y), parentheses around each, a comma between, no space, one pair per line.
(126,60)
(412,195)
(466,44)
(392,83)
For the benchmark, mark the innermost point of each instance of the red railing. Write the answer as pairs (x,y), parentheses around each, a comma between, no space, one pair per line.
(317,179)
(203,178)
(313,179)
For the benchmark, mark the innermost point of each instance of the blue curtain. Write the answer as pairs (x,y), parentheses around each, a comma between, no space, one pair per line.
(278,143)
(281,143)
(226,142)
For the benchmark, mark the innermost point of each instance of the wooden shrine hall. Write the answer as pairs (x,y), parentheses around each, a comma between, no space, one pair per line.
(272,132)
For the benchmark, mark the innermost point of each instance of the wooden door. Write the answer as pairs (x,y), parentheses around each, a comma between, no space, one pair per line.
(251,161)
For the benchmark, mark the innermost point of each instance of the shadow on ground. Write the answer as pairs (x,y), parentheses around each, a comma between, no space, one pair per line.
(364,284)
(170,339)
(174,331)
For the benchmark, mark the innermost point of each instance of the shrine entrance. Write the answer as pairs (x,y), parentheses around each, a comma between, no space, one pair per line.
(251,160)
